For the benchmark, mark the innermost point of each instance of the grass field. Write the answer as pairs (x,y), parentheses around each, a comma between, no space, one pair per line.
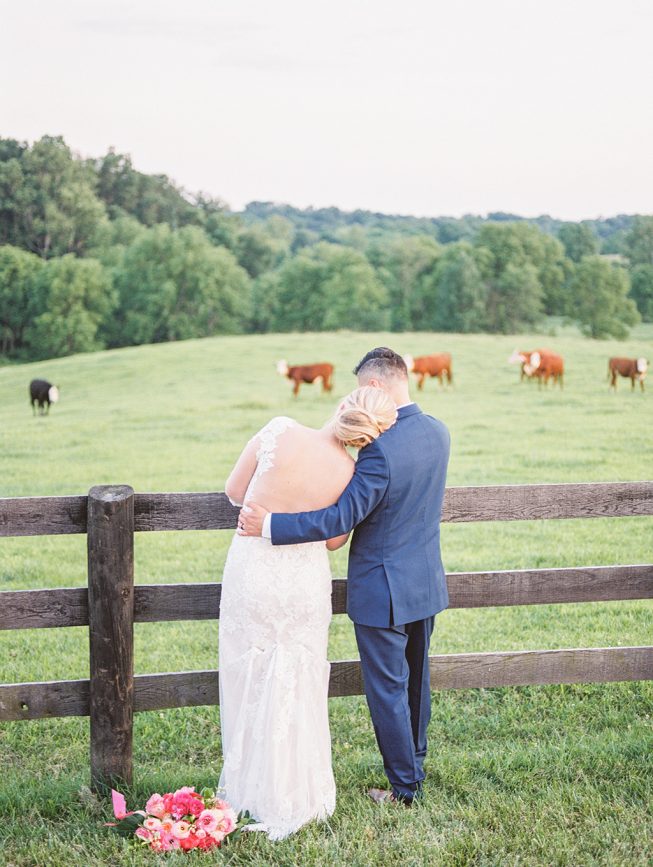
(529,776)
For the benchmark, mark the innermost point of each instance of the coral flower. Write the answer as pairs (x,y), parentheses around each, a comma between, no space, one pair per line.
(155,806)
(181,830)
(209,820)
(228,823)
(152,823)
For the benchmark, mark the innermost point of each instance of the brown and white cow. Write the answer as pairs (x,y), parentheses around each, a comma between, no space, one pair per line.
(630,368)
(550,366)
(543,364)
(430,365)
(521,357)
(299,373)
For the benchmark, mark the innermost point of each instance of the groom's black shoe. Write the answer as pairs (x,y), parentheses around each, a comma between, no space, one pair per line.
(384,796)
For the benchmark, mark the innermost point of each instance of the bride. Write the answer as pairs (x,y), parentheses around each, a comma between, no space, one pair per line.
(274,620)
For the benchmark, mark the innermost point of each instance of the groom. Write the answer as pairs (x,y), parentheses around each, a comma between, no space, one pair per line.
(396,582)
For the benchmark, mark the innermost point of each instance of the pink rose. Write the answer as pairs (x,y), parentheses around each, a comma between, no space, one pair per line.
(143,833)
(209,819)
(155,806)
(152,823)
(228,822)
(180,830)
(186,803)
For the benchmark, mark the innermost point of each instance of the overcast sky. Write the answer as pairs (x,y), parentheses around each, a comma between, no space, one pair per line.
(404,106)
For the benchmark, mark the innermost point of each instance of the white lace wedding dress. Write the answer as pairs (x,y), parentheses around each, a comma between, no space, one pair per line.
(274,621)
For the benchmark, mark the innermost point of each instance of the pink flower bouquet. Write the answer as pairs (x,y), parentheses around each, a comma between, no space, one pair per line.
(184,819)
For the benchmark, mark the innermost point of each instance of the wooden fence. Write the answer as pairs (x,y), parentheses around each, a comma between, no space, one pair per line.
(110,605)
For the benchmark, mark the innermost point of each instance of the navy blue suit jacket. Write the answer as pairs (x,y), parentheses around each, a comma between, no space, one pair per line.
(393,501)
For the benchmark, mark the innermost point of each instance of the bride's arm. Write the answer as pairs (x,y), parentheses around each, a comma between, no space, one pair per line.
(337,542)
(241,475)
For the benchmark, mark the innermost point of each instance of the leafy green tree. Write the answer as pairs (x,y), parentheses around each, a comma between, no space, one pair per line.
(299,304)
(56,209)
(75,297)
(261,248)
(327,287)
(219,224)
(18,274)
(112,237)
(514,299)
(521,244)
(578,240)
(355,298)
(151,199)
(403,265)
(177,285)
(265,302)
(641,290)
(601,306)
(638,242)
(458,291)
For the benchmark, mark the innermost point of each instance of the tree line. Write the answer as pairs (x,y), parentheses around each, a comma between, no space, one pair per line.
(95,254)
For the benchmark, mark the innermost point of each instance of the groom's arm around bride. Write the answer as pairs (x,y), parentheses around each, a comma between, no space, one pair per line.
(396,580)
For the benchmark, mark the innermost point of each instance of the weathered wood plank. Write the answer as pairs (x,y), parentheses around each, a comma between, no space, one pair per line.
(40,609)
(529,502)
(57,698)
(42,516)
(545,586)
(161,602)
(38,516)
(184,511)
(111,633)
(180,689)
(44,609)
(448,671)
(524,667)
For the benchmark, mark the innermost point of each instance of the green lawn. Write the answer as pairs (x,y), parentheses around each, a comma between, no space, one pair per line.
(546,775)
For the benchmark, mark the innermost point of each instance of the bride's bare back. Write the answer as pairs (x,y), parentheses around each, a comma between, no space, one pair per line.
(288,467)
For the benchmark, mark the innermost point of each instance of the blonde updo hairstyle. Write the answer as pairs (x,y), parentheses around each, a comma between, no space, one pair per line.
(363,415)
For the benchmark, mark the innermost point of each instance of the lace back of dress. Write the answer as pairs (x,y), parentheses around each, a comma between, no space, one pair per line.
(267,437)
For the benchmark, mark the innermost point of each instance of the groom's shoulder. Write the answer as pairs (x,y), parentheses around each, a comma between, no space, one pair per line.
(436,423)
(423,420)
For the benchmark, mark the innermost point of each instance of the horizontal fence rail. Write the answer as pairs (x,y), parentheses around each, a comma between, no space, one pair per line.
(50,516)
(112,603)
(155,603)
(23,701)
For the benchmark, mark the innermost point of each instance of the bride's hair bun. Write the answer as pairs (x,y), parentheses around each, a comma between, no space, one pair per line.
(363,415)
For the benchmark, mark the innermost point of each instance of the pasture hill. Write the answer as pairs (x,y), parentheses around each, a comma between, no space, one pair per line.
(529,775)
(525,775)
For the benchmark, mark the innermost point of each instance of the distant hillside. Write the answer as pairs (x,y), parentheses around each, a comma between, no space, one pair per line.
(95,254)
(326,223)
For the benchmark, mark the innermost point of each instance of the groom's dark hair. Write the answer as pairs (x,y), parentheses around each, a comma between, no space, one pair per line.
(382,362)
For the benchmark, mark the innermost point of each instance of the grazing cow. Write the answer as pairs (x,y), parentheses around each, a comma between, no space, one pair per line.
(43,393)
(307,373)
(430,365)
(545,365)
(630,368)
(521,357)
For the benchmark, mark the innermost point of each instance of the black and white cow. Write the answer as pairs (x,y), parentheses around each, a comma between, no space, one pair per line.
(43,393)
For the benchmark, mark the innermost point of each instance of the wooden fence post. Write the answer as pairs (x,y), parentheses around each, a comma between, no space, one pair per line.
(111,633)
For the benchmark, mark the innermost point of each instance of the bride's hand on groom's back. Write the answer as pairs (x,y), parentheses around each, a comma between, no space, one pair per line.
(250,519)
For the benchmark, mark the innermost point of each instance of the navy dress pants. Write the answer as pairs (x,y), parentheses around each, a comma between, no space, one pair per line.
(395,668)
